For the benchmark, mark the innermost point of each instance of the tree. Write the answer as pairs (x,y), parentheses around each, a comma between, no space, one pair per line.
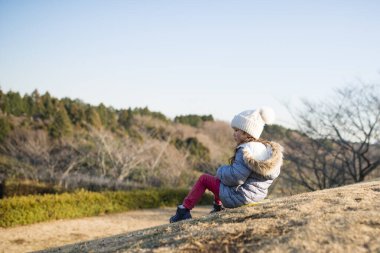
(61,124)
(198,154)
(75,110)
(30,105)
(13,104)
(2,101)
(48,106)
(118,157)
(38,107)
(313,162)
(125,118)
(38,157)
(5,128)
(93,117)
(350,125)
(107,116)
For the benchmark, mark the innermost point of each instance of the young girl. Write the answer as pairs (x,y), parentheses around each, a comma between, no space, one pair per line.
(252,169)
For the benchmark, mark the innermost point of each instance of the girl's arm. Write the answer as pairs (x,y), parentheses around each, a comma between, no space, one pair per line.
(235,174)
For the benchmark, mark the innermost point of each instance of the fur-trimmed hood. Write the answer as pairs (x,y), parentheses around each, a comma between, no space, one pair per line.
(263,159)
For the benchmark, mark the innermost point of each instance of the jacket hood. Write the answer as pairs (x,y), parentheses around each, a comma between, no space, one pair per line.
(268,166)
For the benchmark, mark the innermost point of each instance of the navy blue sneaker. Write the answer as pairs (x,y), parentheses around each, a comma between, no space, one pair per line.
(181,214)
(217,208)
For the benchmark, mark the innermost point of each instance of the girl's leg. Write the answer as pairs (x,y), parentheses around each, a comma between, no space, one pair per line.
(204,182)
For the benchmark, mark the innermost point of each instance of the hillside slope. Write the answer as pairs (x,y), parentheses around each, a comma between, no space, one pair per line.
(345,219)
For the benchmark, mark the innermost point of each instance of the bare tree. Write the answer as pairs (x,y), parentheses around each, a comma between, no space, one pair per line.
(38,157)
(312,162)
(119,156)
(343,132)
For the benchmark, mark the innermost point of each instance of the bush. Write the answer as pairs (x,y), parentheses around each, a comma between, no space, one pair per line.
(36,208)
(27,187)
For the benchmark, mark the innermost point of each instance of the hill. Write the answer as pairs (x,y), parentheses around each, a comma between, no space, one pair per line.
(51,145)
(344,219)
(69,144)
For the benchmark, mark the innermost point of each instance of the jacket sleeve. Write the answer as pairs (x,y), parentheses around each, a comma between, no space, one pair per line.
(235,174)
(275,173)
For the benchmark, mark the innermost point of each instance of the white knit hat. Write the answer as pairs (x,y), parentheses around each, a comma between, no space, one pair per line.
(253,121)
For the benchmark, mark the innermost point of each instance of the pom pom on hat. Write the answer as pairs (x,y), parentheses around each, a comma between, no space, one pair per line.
(253,121)
(267,114)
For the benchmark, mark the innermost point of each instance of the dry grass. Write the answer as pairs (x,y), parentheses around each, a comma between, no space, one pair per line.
(62,232)
(345,219)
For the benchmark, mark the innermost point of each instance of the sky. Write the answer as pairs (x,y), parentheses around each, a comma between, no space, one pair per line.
(189,57)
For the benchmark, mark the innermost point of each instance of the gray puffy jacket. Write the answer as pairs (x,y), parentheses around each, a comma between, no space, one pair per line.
(248,178)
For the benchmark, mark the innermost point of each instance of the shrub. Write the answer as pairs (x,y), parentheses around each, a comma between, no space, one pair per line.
(36,208)
(27,187)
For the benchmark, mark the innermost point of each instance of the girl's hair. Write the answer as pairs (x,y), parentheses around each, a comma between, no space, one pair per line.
(248,139)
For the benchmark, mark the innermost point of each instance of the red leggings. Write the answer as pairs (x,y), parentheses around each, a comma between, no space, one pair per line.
(204,182)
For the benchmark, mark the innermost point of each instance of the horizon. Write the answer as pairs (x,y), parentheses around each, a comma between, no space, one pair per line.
(181,58)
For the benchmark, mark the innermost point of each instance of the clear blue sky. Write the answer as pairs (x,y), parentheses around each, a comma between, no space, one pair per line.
(182,57)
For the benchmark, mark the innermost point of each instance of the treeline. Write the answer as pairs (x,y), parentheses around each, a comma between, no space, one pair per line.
(60,116)
(193,120)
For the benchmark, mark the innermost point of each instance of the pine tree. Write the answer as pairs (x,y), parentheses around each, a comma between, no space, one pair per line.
(14,104)
(107,116)
(48,106)
(2,101)
(102,112)
(61,125)
(5,128)
(30,106)
(93,118)
(39,109)
(75,110)
(125,118)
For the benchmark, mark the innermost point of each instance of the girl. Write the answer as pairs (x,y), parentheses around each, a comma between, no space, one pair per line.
(252,169)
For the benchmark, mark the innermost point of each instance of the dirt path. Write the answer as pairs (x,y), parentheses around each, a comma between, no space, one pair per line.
(51,234)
